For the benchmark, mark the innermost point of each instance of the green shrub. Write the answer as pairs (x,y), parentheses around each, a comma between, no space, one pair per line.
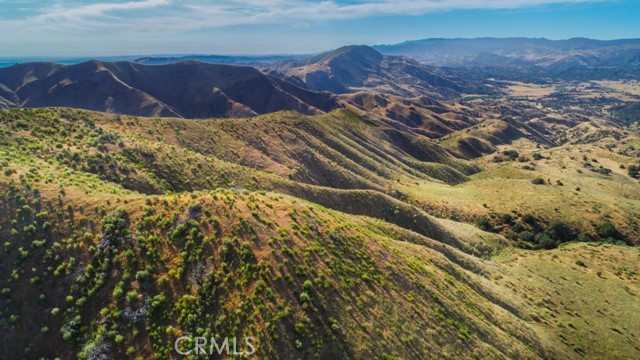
(143,275)
(305,298)
(538,181)
(194,209)
(483,223)
(545,241)
(512,154)
(506,219)
(527,236)
(529,219)
(559,231)
(307,286)
(607,231)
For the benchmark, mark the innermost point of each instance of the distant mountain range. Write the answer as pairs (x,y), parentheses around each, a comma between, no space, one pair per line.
(351,76)
(196,90)
(256,61)
(526,59)
(189,89)
(523,59)
(249,60)
(518,51)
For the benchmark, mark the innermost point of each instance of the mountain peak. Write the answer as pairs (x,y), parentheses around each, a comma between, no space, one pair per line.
(359,53)
(356,68)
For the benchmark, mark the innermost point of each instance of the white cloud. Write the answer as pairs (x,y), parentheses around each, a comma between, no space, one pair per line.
(146,21)
(231,12)
(61,12)
(172,15)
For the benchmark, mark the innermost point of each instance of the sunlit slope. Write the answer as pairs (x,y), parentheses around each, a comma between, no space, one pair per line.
(121,234)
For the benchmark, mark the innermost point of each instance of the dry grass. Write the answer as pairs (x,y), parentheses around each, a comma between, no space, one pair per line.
(535,91)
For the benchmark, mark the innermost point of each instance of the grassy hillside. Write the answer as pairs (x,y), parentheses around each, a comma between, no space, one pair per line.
(328,237)
(300,278)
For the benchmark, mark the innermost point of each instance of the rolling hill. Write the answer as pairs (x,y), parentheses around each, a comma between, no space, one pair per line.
(313,234)
(388,220)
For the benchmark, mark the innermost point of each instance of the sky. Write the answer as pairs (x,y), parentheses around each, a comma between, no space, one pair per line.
(66,28)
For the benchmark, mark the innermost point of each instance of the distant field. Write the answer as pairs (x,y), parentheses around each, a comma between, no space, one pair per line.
(530,90)
(622,90)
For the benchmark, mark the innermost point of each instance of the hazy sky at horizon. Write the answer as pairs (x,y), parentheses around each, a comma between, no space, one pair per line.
(62,28)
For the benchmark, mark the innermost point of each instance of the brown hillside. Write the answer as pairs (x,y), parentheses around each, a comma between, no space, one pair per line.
(356,68)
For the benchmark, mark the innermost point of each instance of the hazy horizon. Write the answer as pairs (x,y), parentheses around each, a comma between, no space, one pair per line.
(73,59)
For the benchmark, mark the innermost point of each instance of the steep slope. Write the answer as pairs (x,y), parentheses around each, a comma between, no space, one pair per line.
(7,97)
(339,160)
(300,280)
(191,89)
(6,104)
(357,68)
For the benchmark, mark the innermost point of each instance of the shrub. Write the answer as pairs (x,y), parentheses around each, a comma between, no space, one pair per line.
(506,219)
(483,223)
(307,286)
(518,227)
(194,209)
(607,230)
(527,236)
(634,171)
(559,231)
(529,219)
(583,237)
(538,181)
(511,154)
(305,298)
(545,241)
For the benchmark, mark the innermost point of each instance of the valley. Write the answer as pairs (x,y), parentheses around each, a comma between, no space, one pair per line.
(346,205)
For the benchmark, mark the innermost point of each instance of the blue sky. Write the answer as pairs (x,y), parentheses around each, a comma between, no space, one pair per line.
(62,28)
